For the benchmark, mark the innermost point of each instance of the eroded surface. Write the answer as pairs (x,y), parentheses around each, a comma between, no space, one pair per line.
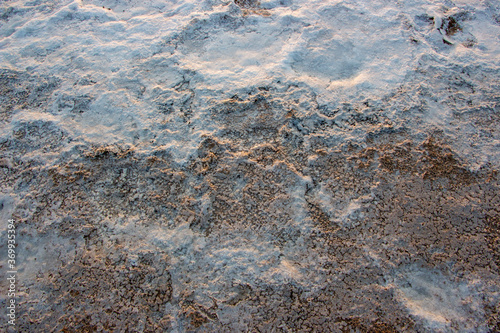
(167,175)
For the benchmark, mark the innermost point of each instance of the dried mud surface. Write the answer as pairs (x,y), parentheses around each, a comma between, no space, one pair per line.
(257,232)
(290,216)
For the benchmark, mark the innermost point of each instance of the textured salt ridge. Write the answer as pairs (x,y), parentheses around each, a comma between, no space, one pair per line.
(264,207)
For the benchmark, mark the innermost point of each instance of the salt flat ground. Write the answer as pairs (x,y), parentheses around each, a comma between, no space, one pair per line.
(246,166)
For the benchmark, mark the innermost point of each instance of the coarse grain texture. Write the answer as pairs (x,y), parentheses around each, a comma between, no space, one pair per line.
(251,166)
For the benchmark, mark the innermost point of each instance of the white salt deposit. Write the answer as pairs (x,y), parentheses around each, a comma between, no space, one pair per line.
(220,165)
